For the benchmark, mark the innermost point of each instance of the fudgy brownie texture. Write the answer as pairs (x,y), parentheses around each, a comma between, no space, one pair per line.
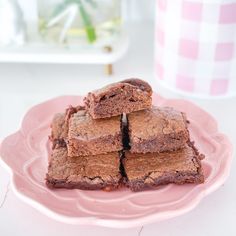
(87,136)
(145,171)
(59,130)
(59,126)
(157,129)
(117,98)
(88,172)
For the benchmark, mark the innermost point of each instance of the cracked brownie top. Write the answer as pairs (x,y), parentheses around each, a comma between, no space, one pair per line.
(157,120)
(153,169)
(82,126)
(88,170)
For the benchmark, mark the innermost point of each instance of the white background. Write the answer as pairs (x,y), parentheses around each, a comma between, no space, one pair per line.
(22,86)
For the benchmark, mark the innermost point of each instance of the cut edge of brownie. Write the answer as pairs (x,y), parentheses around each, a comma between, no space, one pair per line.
(57,128)
(86,184)
(177,178)
(137,97)
(62,141)
(174,142)
(84,148)
(94,137)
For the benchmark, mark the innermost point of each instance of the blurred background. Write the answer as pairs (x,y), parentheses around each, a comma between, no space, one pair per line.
(44,52)
(183,48)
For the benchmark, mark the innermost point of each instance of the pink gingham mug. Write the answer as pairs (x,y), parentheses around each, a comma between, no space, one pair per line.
(195,46)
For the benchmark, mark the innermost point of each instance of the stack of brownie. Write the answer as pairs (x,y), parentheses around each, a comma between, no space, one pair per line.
(118,138)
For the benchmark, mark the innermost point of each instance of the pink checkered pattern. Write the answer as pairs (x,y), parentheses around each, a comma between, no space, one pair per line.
(195,46)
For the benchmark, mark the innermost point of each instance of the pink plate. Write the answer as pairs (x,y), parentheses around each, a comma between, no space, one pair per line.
(25,153)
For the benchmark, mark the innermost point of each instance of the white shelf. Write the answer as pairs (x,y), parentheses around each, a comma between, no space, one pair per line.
(48,54)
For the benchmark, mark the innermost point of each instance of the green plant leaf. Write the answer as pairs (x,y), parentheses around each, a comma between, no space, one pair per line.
(90,30)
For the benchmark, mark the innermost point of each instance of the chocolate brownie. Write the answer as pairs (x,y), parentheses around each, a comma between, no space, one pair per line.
(59,126)
(59,130)
(91,137)
(157,129)
(117,98)
(149,170)
(88,172)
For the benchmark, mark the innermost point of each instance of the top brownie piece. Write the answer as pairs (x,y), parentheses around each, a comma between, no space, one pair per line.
(91,137)
(117,98)
(157,129)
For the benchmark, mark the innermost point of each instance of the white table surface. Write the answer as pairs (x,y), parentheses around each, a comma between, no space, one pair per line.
(22,86)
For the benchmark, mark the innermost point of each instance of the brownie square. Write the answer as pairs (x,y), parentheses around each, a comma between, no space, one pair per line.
(122,97)
(157,129)
(88,172)
(59,126)
(145,171)
(87,136)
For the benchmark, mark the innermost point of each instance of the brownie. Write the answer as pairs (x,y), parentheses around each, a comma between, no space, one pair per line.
(157,129)
(59,126)
(145,171)
(59,130)
(117,98)
(87,136)
(88,172)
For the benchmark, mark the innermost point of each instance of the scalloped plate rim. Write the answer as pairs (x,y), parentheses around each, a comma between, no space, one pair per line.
(119,223)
